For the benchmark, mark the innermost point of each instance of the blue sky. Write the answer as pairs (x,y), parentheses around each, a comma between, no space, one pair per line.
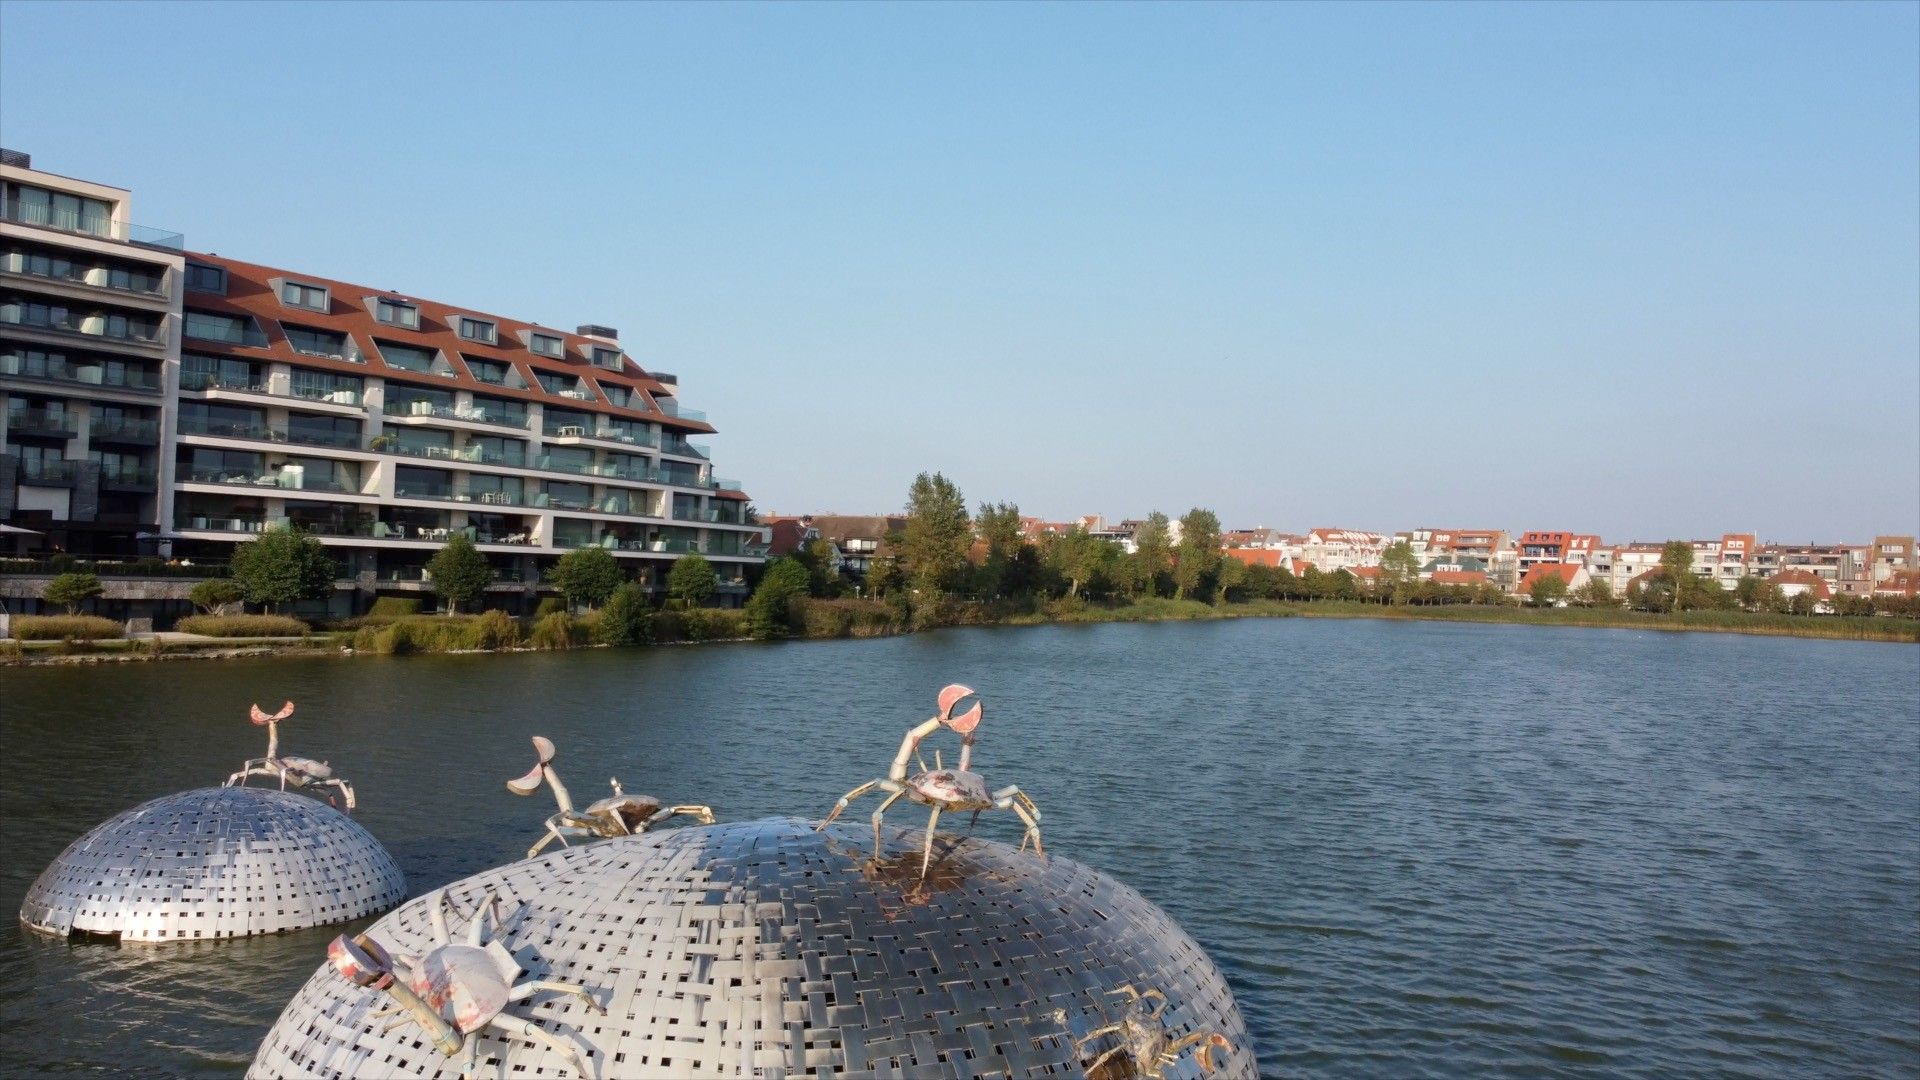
(1640,270)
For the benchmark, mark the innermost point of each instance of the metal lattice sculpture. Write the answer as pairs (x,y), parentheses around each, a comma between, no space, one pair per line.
(770,949)
(619,814)
(214,863)
(945,790)
(295,772)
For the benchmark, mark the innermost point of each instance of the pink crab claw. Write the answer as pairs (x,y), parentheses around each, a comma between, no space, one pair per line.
(1204,1052)
(953,695)
(263,719)
(530,783)
(362,965)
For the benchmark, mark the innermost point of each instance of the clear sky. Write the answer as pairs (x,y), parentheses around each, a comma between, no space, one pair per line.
(1641,270)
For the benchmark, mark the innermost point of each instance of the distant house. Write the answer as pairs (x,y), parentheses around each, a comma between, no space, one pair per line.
(1459,577)
(787,535)
(1794,582)
(1574,574)
(1898,583)
(861,539)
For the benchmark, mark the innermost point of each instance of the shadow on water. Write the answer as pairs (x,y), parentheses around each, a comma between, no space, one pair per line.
(1414,848)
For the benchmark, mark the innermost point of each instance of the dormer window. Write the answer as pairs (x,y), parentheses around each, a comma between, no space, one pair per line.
(478,330)
(203,278)
(607,358)
(547,345)
(306,296)
(397,313)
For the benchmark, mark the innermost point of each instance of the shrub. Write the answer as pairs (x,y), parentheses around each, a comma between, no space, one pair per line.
(669,626)
(459,573)
(242,626)
(71,590)
(553,631)
(495,629)
(586,576)
(212,595)
(11,650)
(692,580)
(549,605)
(768,611)
(281,566)
(395,606)
(713,624)
(626,619)
(64,628)
(845,618)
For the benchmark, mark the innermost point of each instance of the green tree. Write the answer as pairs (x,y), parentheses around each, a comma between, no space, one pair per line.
(692,580)
(1547,590)
(586,576)
(824,578)
(627,619)
(1232,580)
(1198,556)
(458,572)
(1153,553)
(1596,593)
(214,594)
(1081,559)
(1676,558)
(1803,603)
(999,525)
(884,577)
(933,547)
(769,609)
(1399,570)
(72,590)
(283,566)
(1754,593)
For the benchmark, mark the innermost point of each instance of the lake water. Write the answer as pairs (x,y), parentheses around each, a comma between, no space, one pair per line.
(1414,848)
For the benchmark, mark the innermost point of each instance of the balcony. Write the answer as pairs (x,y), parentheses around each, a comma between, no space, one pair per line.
(47,217)
(64,269)
(430,410)
(109,568)
(259,433)
(284,480)
(478,498)
(683,448)
(670,407)
(128,478)
(48,473)
(214,523)
(49,369)
(54,423)
(120,429)
(95,325)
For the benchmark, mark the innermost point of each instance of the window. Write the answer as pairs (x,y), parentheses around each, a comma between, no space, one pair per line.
(234,330)
(396,313)
(547,345)
(39,206)
(203,278)
(617,395)
(325,386)
(316,342)
(306,296)
(218,373)
(607,358)
(478,330)
(487,371)
(406,357)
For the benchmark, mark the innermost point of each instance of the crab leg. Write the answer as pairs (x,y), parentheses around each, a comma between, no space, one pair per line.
(1104,1058)
(1012,798)
(532,1033)
(881,813)
(704,813)
(848,798)
(926,851)
(525,990)
(1205,1041)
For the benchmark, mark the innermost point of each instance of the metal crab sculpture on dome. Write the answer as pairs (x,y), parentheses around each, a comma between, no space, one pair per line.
(457,989)
(296,772)
(1144,1041)
(619,814)
(944,790)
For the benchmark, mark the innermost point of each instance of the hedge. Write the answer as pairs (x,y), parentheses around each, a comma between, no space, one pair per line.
(242,626)
(64,628)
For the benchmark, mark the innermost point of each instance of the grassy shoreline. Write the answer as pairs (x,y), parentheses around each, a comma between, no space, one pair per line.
(826,620)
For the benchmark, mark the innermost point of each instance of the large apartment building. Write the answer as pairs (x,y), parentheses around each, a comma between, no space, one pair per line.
(89,338)
(381,423)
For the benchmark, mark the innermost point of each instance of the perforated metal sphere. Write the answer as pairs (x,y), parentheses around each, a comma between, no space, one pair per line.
(767,949)
(215,863)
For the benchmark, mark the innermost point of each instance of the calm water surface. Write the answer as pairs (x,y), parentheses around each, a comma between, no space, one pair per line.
(1416,849)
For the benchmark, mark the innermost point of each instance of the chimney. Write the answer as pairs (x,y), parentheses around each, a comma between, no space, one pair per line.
(599,333)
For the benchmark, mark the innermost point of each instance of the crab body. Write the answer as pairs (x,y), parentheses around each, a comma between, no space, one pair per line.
(942,789)
(457,991)
(619,814)
(1143,1039)
(292,772)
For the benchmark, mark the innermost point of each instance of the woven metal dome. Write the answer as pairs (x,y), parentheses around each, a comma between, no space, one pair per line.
(214,863)
(768,949)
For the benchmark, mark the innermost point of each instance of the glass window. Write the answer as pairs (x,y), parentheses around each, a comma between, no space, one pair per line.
(607,358)
(306,296)
(325,386)
(406,357)
(410,482)
(234,330)
(397,313)
(493,450)
(218,373)
(203,278)
(487,371)
(617,395)
(568,496)
(477,330)
(547,345)
(323,430)
(316,342)
(495,410)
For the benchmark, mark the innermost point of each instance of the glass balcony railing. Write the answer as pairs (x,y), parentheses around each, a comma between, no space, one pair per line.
(45,471)
(262,433)
(217,523)
(671,407)
(326,396)
(123,429)
(48,217)
(683,448)
(94,324)
(497,417)
(53,369)
(550,463)
(55,422)
(127,476)
(482,498)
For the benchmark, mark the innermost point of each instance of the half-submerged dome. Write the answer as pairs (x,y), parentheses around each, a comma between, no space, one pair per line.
(214,863)
(769,949)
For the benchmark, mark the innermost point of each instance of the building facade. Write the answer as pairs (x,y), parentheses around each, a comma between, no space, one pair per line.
(176,404)
(89,346)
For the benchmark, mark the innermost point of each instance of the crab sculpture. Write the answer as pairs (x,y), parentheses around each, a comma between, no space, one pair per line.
(619,814)
(457,989)
(295,772)
(944,790)
(1144,1041)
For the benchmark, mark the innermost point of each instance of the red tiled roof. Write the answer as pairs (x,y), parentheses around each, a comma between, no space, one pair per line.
(1563,571)
(1814,582)
(1459,577)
